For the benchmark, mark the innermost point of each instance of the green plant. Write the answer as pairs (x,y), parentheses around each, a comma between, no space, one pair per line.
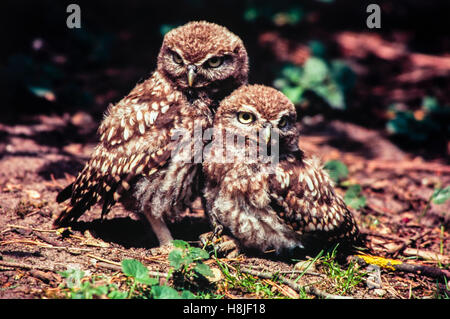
(188,260)
(279,14)
(79,286)
(442,289)
(431,119)
(338,172)
(345,279)
(353,197)
(138,273)
(239,281)
(330,81)
(440,195)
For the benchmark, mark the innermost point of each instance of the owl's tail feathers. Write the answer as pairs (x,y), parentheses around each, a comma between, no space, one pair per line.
(73,210)
(65,194)
(64,218)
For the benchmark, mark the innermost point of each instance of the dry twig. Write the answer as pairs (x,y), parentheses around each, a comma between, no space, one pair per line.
(398,265)
(308,289)
(13,264)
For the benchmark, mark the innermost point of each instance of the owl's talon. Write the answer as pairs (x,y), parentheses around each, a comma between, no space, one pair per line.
(218,229)
(229,247)
(223,245)
(207,238)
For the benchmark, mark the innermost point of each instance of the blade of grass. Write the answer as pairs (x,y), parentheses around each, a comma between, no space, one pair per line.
(309,265)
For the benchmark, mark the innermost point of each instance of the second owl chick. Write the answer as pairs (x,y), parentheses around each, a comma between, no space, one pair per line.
(281,205)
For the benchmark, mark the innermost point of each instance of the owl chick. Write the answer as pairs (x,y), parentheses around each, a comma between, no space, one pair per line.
(198,64)
(279,200)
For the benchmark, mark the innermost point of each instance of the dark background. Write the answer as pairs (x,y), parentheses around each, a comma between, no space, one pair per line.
(46,68)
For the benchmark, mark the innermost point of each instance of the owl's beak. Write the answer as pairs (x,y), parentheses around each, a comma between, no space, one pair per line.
(192,72)
(267,134)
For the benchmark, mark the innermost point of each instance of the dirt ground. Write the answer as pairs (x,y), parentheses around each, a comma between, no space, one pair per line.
(33,167)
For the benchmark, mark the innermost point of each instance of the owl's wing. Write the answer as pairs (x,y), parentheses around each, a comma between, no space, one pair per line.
(135,139)
(302,194)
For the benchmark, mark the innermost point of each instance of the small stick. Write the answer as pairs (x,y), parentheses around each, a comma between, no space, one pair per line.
(118,266)
(44,245)
(105,260)
(300,272)
(24,266)
(309,289)
(408,165)
(397,265)
(374,234)
(47,240)
(33,229)
(424,254)
(26,241)
(409,242)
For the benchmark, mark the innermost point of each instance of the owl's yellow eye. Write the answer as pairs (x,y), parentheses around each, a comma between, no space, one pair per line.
(176,58)
(283,122)
(215,62)
(246,117)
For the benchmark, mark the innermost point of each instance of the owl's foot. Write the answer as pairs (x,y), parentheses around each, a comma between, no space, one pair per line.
(224,246)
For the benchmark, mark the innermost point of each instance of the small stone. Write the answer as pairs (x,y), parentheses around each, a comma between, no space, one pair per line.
(217,275)
(379,292)
(305,265)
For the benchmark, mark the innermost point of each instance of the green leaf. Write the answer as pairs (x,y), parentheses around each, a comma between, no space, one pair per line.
(337,170)
(134,268)
(430,103)
(100,290)
(203,269)
(186,294)
(441,195)
(198,253)
(73,277)
(343,75)
(294,94)
(251,14)
(176,258)
(40,91)
(353,197)
(331,94)
(165,28)
(116,294)
(292,73)
(146,280)
(164,292)
(315,71)
(180,244)
(317,48)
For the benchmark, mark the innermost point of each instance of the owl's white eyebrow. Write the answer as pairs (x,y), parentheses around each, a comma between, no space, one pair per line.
(283,113)
(177,52)
(248,108)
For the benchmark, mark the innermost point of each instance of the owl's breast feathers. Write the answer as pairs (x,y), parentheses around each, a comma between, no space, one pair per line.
(135,139)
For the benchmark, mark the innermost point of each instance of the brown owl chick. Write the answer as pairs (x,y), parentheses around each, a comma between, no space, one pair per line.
(279,200)
(198,64)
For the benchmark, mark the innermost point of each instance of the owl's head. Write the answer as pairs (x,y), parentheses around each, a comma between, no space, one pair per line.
(201,55)
(262,109)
